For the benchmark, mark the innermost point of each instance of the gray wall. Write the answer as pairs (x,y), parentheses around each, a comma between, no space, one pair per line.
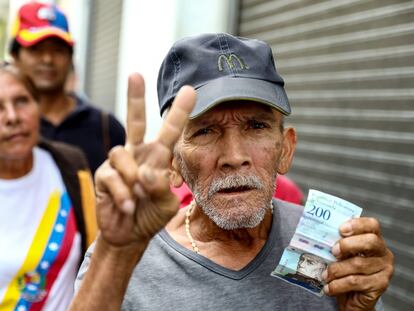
(349,72)
(103,49)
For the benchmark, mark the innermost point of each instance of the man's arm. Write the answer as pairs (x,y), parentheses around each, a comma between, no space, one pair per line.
(133,200)
(103,286)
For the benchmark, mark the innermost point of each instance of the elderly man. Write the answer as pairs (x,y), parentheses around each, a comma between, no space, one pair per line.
(218,253)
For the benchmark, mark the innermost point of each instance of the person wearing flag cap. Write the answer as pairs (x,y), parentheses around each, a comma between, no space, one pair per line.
(42,47)
(223,104)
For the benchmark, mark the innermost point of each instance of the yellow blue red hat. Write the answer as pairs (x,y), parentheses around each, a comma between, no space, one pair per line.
(38,21)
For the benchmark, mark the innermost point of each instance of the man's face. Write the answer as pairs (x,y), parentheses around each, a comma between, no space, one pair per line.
(229,157)
(47,63)
(311,266)
(19,120)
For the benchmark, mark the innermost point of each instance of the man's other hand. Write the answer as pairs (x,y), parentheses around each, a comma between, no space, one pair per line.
(364,267)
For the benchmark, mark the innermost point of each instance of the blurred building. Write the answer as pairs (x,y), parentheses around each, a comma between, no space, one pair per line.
(4,9)
(349,72)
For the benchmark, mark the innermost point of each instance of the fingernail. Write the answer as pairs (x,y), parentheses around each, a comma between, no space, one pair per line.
(128,207)
(336,250)
(324,275)
(326,289)
(346,229)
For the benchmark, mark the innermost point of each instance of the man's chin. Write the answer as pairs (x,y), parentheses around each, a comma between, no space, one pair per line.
(232,214)
(236,222)
(48,87)
(246,200)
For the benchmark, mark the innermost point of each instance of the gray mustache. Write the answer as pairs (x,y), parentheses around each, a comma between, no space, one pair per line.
(235,181)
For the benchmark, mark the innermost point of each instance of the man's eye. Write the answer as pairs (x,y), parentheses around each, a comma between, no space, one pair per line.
(257,125)
(34,48)
(202,132)
(60,50)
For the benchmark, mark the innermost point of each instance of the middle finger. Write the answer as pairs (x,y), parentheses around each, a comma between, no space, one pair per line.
(136,111)
(354,265)
(368,244)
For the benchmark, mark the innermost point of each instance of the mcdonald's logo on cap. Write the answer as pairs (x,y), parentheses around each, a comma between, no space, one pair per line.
(232,60)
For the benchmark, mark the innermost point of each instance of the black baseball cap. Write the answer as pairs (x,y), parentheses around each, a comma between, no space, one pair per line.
(221,68)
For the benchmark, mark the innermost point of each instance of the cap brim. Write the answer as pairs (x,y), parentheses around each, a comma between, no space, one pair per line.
(239,88)
(30,37)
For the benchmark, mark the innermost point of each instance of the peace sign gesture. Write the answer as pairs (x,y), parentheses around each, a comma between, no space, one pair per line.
(134,200)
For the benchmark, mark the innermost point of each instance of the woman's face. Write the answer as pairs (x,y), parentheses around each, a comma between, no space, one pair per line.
(19,120)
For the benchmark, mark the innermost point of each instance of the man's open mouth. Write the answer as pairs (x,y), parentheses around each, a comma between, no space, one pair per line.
(236,189)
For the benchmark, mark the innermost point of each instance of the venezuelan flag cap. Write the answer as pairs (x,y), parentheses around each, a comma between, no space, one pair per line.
(37,21)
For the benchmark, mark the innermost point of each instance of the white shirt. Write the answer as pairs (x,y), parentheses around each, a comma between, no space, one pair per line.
(37,206)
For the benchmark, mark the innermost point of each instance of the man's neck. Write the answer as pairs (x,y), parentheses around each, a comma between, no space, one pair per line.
(205,230)
(219,245)
(55,107)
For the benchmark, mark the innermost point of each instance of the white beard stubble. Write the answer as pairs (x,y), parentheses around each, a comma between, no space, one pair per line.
(228,218)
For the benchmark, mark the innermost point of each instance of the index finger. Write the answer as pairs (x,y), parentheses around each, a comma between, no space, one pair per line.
(177,117)
(136,111)
(361,225)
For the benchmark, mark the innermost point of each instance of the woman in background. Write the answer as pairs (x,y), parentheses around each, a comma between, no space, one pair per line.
(47,211)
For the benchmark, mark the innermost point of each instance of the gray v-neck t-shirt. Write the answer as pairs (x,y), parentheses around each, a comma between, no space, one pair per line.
(172,277)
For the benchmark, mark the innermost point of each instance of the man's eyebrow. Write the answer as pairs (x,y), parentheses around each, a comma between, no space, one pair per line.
(265,116)
(199,123)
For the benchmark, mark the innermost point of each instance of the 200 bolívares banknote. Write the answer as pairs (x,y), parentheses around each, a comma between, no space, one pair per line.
(309,251)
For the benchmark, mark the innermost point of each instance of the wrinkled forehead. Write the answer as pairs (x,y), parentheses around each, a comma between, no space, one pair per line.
(241,109)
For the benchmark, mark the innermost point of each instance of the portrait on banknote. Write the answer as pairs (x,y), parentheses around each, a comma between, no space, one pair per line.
(309,270)
(303,269)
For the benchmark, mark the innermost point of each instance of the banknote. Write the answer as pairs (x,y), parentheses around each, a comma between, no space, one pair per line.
(309,251)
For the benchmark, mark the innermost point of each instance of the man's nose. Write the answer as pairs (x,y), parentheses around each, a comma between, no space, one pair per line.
(46,56)
(234,152)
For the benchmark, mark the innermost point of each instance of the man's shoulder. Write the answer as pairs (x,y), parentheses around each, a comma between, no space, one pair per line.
(287,216)
(97,113)
(85,104)
(288,208)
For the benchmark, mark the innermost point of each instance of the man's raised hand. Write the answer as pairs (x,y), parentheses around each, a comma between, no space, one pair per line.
(134,200)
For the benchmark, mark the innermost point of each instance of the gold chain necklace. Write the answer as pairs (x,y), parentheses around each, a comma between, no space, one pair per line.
(187,225)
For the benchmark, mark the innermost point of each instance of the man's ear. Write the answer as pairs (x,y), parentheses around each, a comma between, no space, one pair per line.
(176,180)
(288,149)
